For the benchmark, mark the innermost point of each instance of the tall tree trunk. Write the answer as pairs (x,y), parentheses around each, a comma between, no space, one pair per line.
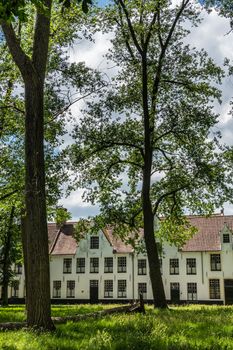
(36,233)
(148,217)
(36,250)
(6,261)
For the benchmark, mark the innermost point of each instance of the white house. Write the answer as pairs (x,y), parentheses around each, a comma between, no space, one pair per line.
(102,268)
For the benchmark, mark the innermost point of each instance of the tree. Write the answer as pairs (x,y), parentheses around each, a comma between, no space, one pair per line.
(10,247)
(31,60)
(144,149)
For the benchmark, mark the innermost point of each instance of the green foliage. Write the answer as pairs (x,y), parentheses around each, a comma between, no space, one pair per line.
(10,10)
(175,230)
(66,83)
(188,169)
(61,215)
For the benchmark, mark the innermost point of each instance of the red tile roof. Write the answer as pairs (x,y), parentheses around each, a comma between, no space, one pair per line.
(61,241)
(208,235)
(53,231)
(117,244)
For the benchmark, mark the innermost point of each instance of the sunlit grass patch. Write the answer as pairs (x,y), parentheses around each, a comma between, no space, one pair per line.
(186,327)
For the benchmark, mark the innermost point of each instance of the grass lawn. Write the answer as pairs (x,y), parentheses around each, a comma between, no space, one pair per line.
(188,327)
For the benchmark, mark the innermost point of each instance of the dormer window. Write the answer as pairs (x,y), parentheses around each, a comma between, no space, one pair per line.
(94,242)
(226,238)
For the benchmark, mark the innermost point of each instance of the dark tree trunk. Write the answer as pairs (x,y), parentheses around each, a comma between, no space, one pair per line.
(36,250)
(24,245)
(6,261)
(148,216)
(151,247)
(36,235)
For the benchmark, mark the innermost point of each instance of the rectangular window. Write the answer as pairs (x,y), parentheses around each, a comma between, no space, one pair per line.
(161,265)
(108,288)
(142,289)
(226,238)
(141,266)
(70,289)
(94,242)
(67,265)
(94,265)
(174,266)
(215,262)
(214,287)
(15,289)
(18,269)
(94,283)
(108,265)
(80,267)
(121,263)
(56,289)
(121,289)
(192,291)
(191,266)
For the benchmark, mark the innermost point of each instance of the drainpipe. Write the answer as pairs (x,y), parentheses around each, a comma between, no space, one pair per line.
(133,275)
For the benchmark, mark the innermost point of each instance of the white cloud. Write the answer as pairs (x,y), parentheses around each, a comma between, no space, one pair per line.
(92,54)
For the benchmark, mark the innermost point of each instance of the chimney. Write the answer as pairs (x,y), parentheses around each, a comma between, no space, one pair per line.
(222,212)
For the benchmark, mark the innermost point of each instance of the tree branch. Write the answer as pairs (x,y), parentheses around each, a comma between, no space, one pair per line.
(121,25)
(131,29)
(21,59)
(151,27)
(8,195)
(41,39)
(171,193)
(162,54)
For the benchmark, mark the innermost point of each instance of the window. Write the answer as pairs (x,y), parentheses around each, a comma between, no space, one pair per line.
(161,265)
(56,289)
(174,266)
(94,265)
(94,242)
(192,291)
(214,286)
(141,266)
(191,266)
(121,289)
(108,265)
(121,264)
(67,265)
(94,283)
(15,289)
(226,238)
(18,269)
(80,268)
(70,289)
(215,262)
(142,289)
(108,288)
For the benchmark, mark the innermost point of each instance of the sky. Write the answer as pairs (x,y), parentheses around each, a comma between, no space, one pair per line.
(211,35)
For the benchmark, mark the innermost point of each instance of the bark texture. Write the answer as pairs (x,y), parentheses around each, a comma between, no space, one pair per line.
(148,216)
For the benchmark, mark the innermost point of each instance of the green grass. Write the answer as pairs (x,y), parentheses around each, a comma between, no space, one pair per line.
(190,327)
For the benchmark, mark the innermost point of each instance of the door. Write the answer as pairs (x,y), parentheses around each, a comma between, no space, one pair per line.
(175,292)
(228,287)
(94,291)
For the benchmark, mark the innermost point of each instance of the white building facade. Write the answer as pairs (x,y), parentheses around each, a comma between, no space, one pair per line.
(102,268)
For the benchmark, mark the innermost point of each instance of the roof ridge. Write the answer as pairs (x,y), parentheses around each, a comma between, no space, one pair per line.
(55,240)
